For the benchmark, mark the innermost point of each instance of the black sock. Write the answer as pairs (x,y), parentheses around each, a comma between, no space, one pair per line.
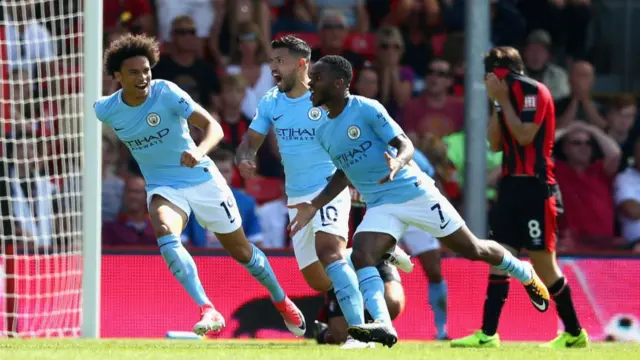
(561,294)
(497,292)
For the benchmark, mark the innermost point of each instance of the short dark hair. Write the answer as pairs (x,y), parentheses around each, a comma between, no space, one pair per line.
(220,155)
(621,101)
(130,46)
(339,66)
(503,57)
(295,46)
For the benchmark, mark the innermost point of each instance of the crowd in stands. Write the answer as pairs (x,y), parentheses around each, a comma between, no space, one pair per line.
(408,54)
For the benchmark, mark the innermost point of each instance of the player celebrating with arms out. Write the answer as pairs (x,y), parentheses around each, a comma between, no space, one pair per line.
(359,135)
(150,117)
(318,247)
(523,126)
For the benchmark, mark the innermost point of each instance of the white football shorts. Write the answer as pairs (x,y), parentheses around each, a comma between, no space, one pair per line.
(333,218)
(430,212)
(418,241)
(212,203)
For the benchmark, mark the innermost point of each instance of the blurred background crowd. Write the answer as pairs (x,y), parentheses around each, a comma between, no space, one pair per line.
(408,54)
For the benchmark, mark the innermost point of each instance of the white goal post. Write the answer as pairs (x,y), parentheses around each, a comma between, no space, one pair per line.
(50,168)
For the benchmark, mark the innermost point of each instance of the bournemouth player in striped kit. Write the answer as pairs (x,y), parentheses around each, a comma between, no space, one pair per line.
(522,126)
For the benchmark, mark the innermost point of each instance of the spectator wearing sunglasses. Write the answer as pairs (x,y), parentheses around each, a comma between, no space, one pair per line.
(333,31)
(183,63)
(586,181)
(249,59)
(395,79)
(435,112)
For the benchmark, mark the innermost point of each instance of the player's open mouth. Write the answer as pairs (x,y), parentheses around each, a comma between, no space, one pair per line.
(277,78)
(142,86)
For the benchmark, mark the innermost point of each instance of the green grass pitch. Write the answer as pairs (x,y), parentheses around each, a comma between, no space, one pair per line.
(292,350)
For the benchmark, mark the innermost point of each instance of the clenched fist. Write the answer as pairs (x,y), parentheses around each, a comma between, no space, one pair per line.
(191,158)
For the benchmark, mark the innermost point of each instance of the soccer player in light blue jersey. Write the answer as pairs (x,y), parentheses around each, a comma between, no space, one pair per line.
(288,110)
(150,117)
(372,153)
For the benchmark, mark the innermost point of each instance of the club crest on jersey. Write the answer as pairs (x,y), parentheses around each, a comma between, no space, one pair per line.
(529,103)
(353,132)
(153,119)
(314,113)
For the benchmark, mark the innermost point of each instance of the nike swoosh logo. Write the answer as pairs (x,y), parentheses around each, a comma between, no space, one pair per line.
(571,343)
(445,224)
(275,118)
(482,342)
(118,129)
(540,307)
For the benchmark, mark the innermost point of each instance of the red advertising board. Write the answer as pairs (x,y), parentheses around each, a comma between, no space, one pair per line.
(140,299)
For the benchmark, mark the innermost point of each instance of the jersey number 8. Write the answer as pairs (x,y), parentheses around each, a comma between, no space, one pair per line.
(534,229)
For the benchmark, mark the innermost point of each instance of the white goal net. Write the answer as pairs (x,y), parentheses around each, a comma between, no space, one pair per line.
(41,112)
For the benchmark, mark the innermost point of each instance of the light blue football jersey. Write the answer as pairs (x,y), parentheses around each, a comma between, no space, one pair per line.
(306,165)
(357,139)
(156,132)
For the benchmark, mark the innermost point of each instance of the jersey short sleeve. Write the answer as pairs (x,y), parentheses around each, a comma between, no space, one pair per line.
(261,121)
(101,107)
(535,103)
(180,103)
(381,122)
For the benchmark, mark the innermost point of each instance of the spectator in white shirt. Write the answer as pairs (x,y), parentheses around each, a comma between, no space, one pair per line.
(627,199)
(29,44)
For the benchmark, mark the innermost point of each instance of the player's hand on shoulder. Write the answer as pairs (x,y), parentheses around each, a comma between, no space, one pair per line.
(191,158)
(497,89)
(247,168)
(305,213)
(394,167)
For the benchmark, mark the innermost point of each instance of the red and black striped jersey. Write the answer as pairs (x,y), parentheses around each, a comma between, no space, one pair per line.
(533,103)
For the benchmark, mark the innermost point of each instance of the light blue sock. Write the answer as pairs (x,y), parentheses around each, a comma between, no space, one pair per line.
(372,289)
(438,302)
(182,267)
(260,269)
(517,268)
(345,285)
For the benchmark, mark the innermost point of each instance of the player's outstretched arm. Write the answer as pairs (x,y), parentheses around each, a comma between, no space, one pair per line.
(405,154)
(307,210)
(246,152)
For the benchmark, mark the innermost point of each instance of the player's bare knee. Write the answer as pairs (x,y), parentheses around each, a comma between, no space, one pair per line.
(329,248)
(362,258)
(161,230)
